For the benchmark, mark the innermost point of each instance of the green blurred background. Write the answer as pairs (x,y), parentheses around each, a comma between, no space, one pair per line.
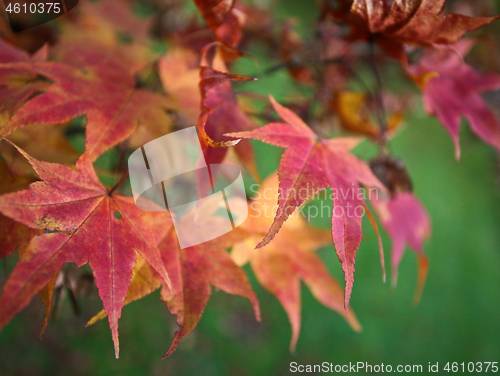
(457,320)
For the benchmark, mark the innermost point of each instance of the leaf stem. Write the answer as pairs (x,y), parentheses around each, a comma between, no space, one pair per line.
(379,103)
(120,182)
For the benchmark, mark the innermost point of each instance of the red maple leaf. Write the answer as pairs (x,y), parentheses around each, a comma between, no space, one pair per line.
(310,165)
(192,272)
(406,222)
(189,85)
(88,224)
(101,84)
(452,90)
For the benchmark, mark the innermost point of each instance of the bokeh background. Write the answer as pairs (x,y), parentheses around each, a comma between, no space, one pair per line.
(457,320)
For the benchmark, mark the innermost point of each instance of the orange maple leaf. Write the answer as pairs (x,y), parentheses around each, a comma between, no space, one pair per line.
(280,265)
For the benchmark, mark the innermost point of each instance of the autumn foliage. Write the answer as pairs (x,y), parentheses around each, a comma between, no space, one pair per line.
(119,80)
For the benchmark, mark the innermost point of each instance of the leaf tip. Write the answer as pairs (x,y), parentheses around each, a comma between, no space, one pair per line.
(293,341)
(256,310)
(96,318)
(353,322)
(116,341)
(423,268)
(263,243)
(394,279)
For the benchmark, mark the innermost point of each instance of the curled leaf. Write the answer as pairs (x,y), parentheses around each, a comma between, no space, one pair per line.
(209,79)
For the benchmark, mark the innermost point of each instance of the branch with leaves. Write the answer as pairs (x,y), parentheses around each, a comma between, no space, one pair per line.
(98,78)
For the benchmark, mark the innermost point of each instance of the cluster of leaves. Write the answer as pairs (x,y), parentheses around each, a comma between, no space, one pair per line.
(101,62)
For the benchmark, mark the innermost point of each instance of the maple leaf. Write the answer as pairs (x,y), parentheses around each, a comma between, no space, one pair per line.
(211,79)
(452,89)
(144,281)
(88,223)
(100,85)
(418,22)
(190,85)
(16,235)
(47,294)
(310,165)
(192,272)
(280,265)
(220,114)
(406,222)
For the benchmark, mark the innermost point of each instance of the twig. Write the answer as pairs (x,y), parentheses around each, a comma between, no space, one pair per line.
(380,109)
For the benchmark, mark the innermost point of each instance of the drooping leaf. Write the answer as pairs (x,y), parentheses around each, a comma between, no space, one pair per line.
(452,89)
(46,294)
(310,165)
(281,265)
(88,224)
(189,85)
(211,79)
(406,222)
